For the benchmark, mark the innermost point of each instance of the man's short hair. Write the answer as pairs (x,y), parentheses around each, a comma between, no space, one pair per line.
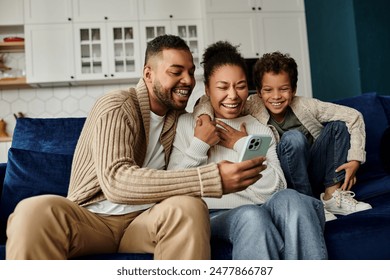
(160,43)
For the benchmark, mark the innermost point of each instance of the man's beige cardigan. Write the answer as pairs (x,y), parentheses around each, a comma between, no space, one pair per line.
(111,150)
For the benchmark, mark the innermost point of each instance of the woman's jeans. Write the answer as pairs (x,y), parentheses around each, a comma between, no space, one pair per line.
(288,226)
(310,169)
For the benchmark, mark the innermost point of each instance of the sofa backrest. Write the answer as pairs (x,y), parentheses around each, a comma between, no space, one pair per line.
(376,113)
(39,161)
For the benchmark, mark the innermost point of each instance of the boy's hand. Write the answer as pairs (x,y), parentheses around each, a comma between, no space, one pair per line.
(350,174)
(206,130)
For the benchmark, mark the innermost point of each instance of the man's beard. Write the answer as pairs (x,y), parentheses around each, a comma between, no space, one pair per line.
(165,97)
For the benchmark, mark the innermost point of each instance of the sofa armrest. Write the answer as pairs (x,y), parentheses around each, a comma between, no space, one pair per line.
(2,176)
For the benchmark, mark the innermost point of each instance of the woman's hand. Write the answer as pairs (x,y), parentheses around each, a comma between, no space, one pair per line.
(229,135)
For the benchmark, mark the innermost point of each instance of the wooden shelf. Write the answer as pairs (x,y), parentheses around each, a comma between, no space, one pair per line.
(11,47)
(6,139)
(11,83)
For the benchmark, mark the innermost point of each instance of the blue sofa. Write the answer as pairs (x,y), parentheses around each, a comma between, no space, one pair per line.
(39,162)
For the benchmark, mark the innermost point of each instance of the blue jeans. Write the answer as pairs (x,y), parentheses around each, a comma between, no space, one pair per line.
(310,169)
(288,226)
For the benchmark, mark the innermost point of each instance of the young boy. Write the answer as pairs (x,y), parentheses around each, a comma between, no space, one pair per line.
(320,144)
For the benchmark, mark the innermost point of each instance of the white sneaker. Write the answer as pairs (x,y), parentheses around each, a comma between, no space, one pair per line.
(343,203)
(329,216)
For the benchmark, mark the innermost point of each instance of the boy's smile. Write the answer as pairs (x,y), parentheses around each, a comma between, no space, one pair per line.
(276,94)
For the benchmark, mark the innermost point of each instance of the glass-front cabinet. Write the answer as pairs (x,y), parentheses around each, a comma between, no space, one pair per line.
(124,47)
(107,50)
(91,45)
(188,30)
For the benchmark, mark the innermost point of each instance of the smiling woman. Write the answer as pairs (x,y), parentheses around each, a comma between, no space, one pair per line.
(230,91)
(244,218)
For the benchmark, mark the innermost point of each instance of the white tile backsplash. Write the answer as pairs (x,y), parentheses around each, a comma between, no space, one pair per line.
(56,102)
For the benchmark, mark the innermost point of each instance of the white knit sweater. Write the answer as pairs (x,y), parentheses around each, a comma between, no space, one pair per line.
(189,151)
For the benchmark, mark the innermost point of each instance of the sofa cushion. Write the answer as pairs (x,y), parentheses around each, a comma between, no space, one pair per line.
(385,141)
(385,100)
(39,161)
(33,173)
(385,150)
(376,122)
(363,235)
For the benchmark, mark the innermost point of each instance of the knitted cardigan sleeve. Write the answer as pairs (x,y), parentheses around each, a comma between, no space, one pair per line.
(203,108)
(105,165)
(310,111)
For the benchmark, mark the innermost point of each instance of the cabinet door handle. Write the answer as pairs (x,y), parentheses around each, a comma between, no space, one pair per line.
(253,8)
(106,18)
(69,19)
(259,8)
(105,75)
(170,16)
(112,75)
(72,77)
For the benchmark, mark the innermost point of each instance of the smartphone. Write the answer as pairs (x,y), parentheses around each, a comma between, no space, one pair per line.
(255,146)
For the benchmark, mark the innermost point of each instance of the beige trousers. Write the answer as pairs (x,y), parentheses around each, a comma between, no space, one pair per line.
(52,227)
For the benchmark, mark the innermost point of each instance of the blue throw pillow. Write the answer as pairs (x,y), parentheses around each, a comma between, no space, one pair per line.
(51,135)
(39,161)
(32,173)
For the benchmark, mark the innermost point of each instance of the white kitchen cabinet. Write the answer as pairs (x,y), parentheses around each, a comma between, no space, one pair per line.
(98,10)
(47,11)
(49,42)
(169,9)
(178,17)
(234,6)
(49,53)
(105,51)
(190,31)
(263,31)
(11,12)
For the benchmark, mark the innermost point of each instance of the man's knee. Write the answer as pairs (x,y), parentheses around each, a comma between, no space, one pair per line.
(34,212)
(186,206)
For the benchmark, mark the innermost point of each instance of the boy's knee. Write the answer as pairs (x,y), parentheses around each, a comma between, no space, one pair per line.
(337,127)
(294,139)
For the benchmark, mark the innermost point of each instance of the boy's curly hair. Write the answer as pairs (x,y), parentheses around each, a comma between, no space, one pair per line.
(275,62)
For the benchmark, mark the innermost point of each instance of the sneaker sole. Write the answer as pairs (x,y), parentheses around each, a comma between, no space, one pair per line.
(344,214)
